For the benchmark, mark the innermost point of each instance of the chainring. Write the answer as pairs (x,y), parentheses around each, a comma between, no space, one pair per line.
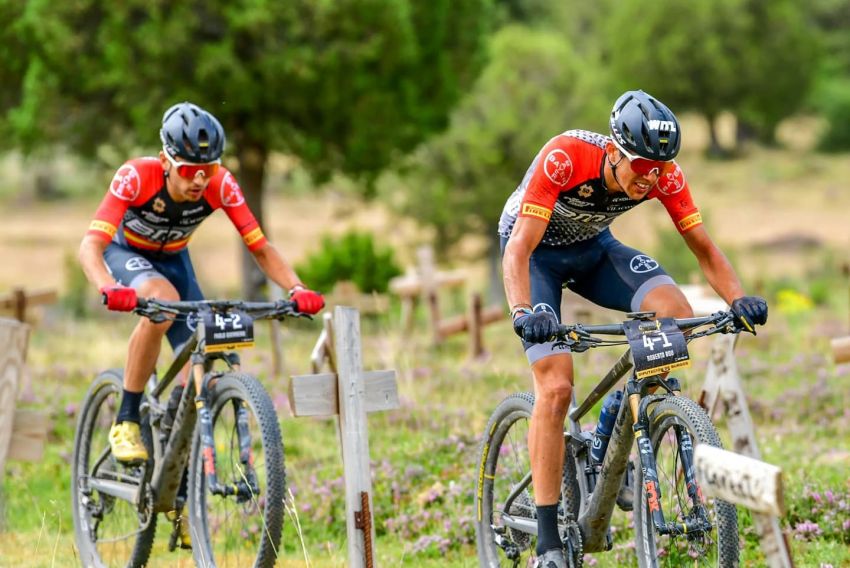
(573,545)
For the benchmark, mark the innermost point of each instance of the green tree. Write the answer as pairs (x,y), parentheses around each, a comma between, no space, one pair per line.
(344,85)
(533,88)
(752,57)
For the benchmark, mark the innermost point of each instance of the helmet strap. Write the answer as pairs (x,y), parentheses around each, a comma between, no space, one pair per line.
(614,169)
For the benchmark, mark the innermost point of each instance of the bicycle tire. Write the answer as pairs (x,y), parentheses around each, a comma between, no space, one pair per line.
(238,388)
(721,545)
(514,409)
(106,384)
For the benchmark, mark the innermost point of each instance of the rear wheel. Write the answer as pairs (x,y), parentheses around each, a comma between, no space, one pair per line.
(243,529)
(669,419)
(109,530)
(505,469)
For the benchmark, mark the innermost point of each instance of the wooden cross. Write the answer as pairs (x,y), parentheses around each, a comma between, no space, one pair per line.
(350,393)
(723,388)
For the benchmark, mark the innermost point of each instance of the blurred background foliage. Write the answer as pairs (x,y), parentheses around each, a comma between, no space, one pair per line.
(434,108)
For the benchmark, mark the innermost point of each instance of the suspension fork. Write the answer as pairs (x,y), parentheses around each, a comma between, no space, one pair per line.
(639,403)
(241,489)
(647,460)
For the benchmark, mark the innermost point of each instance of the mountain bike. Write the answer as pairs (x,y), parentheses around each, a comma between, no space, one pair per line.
(675,524)
(215,448)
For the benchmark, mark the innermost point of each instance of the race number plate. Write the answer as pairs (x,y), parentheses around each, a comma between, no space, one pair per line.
(227,331)
(657,346)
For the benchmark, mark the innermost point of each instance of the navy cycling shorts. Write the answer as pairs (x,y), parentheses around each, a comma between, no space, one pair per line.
(132,267)
(601,269)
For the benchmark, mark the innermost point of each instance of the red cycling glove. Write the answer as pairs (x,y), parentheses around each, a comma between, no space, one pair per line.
(306,301)
(119,298)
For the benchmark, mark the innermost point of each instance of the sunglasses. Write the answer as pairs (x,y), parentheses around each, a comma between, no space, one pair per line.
(189,171)
(642,166)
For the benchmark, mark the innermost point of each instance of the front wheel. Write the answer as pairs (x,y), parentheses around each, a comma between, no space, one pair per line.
(241,529)
(506,516)
(672,421)
(109,530)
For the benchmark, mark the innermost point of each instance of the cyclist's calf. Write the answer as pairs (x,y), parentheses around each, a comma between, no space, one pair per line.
(553,386)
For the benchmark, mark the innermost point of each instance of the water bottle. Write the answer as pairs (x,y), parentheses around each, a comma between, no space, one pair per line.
(607,417)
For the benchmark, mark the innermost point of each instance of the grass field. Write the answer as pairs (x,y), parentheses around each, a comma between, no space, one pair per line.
(425,454)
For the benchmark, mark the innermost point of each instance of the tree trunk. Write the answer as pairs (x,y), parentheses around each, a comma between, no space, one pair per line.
(715,150)
(252,172)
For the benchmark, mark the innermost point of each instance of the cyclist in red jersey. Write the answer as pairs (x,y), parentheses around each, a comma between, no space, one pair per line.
(555,234)
(137,242)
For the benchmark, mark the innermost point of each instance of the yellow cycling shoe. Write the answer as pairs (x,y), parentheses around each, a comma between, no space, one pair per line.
(182,529)
(125,439)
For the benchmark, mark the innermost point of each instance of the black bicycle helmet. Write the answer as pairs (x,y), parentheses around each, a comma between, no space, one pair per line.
(643,125)
(191,133)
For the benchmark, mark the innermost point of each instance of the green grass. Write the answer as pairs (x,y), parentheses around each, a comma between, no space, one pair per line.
(424,454)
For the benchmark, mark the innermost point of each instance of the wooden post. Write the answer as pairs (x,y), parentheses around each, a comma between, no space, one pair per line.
(840,349)
(350,393)
(476,327)
(20,304)
(428,280)
(723,387)
(13,344)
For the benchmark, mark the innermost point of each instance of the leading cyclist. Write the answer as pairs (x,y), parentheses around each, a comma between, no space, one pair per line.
(554,233)
(137,242)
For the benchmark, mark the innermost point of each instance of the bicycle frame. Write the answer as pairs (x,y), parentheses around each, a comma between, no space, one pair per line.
(171,455)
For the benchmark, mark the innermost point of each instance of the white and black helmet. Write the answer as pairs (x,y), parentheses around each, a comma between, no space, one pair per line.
(191,133)
(644,126)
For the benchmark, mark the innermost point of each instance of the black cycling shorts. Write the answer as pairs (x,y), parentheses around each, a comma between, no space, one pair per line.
(132,267)
(601,269)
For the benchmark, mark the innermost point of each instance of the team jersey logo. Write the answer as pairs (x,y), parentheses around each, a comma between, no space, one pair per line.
(231,193)
(585,191)
(158,205)
(532,210)
(126,184)
(558,167)
(642,263)
(671,182)
(690,221)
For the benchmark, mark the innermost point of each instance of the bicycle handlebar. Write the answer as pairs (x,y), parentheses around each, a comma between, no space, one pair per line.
(154,308)
(580,337)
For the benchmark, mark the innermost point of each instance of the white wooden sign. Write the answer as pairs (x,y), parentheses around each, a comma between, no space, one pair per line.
(739,479)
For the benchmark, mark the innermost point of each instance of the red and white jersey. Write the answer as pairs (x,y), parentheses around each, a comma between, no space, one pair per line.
(138,211)
(565,187)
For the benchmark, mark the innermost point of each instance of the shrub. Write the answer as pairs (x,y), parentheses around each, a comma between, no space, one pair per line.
(353,256)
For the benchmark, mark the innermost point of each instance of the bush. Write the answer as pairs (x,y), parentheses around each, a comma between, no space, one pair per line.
(355,257)
(833,101)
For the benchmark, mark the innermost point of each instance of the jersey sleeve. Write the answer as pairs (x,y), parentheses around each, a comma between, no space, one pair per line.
(673,191)
(124,191)
(226,194)
(549,176)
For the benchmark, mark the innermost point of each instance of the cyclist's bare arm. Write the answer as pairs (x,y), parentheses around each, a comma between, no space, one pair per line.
(714,264)
(275,266)
(525,237)
(91,260)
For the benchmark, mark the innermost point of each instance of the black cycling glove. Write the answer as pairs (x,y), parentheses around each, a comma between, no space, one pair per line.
(750,311)
(538,327)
